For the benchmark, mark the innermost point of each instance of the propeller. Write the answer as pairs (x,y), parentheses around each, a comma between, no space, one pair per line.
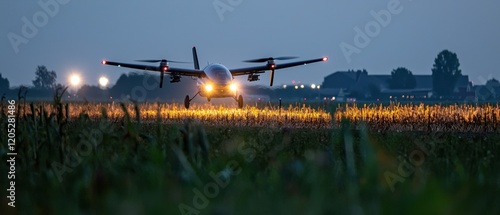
(157,61)
(162,74)
(271,81)
(270,64)
(163,66)
(263,60)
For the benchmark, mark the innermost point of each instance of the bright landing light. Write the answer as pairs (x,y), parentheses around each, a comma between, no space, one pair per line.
(75,80)
(103,81)
(209,87)
(233,87)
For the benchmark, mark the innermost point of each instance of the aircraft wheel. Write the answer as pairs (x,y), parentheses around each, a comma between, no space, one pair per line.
(186,102)
(240,102)
(209,99)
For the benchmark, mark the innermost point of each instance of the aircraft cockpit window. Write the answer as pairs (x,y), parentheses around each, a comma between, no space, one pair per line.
(220,75)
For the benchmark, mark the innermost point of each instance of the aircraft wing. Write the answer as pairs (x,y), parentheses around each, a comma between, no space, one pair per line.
(262,69)
(176,71)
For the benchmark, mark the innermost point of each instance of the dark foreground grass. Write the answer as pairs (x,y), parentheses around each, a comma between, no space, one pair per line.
(89,166)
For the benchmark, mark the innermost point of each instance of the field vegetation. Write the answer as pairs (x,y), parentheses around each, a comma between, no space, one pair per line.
(162,159)
(479,118)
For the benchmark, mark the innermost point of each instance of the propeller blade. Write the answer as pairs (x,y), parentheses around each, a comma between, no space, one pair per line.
(157,61)
(174,61)
(285,58)
(149,61)
(161,78)
(262,60)
(272,78)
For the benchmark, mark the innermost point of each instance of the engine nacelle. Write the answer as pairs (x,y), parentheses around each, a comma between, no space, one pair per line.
(175,78)
(253,77)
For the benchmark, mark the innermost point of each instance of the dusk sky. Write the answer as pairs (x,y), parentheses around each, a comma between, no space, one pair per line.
(79,34)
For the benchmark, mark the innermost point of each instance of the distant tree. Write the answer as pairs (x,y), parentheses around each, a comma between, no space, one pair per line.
(44,78)
(4,84)
(90,92)
(402,78)
(445,73)
(493,86)
(59,86)
(490,83)
(142,85)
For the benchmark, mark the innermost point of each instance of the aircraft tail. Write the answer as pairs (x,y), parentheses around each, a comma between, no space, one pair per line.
(195,59)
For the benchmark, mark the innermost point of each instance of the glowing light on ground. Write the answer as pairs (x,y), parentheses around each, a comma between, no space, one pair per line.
(75,80)
(103,81)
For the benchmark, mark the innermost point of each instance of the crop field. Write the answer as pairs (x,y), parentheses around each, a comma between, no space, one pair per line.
(113,158)
(291,117)
(483,118)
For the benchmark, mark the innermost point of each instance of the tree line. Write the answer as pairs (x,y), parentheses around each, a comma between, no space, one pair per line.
(445,74)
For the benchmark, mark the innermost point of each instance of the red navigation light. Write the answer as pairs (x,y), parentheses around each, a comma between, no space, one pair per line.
(273,66)
(325,59)
(104,62)
(165,68)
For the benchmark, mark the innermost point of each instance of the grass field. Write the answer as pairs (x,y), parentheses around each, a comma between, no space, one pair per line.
(482,118)
(162,159)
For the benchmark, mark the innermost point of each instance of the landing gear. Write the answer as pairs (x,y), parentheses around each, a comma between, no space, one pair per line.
(240,101)
(186,102)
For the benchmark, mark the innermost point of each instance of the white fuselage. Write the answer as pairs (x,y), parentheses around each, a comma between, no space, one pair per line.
(218,82)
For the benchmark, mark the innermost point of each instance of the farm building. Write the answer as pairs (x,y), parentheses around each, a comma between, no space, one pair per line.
(362,85)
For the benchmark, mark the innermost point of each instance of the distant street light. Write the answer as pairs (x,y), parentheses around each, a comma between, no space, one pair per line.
(284,86)
(313,86)
(302,86)
(318,87)
(103,81)
(75,80)
(296,87)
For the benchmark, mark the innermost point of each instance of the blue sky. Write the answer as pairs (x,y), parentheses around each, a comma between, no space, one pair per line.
(77,36)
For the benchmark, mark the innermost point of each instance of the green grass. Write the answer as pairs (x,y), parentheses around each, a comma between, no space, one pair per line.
(123,167)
